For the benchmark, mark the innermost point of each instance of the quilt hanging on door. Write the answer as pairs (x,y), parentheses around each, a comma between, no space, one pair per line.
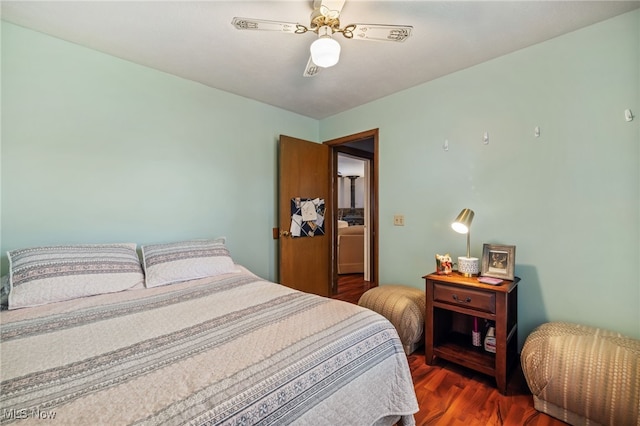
(307,217)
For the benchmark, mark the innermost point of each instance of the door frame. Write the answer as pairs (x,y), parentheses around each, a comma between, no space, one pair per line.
(337,145)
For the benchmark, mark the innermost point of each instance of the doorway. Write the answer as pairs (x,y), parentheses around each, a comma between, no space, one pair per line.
(355,203)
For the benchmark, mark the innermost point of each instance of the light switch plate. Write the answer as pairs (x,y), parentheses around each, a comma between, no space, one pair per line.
(398,220)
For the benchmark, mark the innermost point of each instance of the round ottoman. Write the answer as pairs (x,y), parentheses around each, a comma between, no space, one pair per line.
(404,307)
(582,374)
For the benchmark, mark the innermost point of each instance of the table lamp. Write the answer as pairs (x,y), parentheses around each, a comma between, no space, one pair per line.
(467,266)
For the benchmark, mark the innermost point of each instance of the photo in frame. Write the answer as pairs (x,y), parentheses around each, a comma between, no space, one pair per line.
(498,261)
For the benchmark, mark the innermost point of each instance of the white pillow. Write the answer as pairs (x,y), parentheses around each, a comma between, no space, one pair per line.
(42,275)
(185,260)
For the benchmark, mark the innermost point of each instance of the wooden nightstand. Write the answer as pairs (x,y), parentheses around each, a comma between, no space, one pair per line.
(452,303)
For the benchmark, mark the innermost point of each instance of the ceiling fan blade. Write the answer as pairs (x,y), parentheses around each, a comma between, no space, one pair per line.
(264,25)
(311,69)
(332,5)
(378,32)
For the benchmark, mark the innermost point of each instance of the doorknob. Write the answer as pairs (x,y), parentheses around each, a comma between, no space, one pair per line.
(285,233)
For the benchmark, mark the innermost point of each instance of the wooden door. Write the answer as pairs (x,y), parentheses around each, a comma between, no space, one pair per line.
(304,172)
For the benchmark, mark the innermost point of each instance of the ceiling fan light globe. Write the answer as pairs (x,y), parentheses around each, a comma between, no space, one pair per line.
(325,52)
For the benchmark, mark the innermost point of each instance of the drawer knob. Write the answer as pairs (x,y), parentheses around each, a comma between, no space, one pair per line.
(457,299)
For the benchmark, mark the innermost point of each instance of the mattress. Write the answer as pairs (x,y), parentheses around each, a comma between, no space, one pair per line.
(227,350)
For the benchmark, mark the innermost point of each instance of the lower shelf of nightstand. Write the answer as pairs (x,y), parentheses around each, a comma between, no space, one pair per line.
(457,348)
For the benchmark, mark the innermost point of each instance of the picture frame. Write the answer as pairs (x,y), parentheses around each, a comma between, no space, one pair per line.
(498,261)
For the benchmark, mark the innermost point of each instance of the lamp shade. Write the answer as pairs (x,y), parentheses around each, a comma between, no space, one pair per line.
(463,221)
(325,51)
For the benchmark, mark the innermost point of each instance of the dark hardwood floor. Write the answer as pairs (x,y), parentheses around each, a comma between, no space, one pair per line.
(449,394)
(351,287)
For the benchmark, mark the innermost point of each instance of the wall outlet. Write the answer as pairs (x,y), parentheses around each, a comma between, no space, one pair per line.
(398,220)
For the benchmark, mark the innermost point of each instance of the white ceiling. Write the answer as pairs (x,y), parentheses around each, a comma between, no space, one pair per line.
(195,40)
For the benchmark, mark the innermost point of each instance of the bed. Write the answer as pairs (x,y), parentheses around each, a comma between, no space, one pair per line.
(228,348)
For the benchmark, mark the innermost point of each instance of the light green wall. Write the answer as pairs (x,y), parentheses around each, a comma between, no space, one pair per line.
(97,149)
(569,200)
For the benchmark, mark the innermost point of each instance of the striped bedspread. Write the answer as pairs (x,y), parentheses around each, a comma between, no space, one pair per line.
(229,350)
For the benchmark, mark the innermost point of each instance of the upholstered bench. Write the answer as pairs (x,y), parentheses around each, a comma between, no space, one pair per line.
(404,307)
(583,375)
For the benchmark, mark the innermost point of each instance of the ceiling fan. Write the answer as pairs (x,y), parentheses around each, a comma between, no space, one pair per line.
(325,21)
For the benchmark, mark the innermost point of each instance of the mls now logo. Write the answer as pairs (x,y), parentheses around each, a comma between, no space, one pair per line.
(25,413)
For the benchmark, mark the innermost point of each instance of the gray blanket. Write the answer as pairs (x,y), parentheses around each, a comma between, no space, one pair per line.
(230,350)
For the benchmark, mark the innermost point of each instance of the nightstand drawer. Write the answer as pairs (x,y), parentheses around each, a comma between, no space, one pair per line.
(474,299)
